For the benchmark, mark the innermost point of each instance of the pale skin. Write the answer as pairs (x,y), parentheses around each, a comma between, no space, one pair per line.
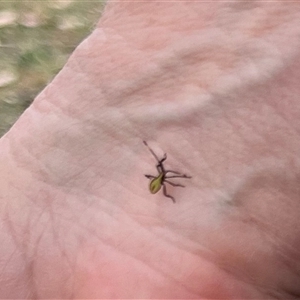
(216,87)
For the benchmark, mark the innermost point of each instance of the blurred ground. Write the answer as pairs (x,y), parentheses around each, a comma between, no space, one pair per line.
(36,39)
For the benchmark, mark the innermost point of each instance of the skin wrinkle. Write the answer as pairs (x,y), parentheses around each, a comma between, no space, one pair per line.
(169,276)
(111,244)
(238,275)
(239,272)
(123,93)
(262,139)
(255,130)
(144,264)
(233,275)
(288,125)
(242,276)
(238,130)
(60,244)
(74,175)
(21,248)
(26,259)
(51,232)
(291,271)
(25,162)
(273,238)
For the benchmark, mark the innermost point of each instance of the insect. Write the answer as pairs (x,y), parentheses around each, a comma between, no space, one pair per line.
(159,181)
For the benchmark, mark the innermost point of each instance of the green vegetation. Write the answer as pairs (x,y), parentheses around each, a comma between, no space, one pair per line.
(36,38)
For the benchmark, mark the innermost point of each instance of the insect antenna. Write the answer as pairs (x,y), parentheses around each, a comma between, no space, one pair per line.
(152,152)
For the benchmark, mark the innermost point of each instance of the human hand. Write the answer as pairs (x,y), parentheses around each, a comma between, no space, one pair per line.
(215,86)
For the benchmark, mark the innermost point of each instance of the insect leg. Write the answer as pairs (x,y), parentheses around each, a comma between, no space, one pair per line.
(174,172)
(163,159)
(177,174)
(150,176)
(166,195)
(174,184)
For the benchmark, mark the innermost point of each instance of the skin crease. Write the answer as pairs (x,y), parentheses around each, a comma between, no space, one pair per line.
(215,86)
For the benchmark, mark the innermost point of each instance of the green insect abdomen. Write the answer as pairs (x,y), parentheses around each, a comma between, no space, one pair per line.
(155,184)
